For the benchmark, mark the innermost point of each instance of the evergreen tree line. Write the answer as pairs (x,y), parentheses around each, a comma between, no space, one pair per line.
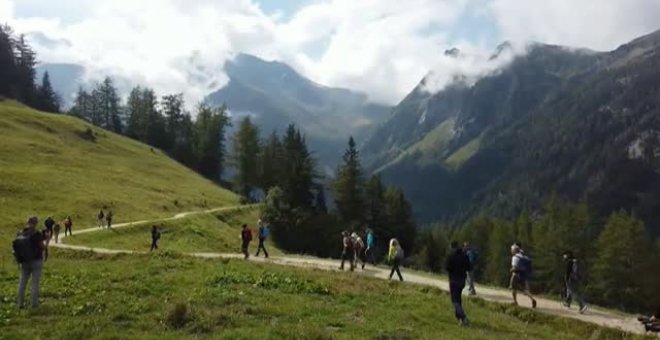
(160,122)
(618,261)
(295,204)
(17,74)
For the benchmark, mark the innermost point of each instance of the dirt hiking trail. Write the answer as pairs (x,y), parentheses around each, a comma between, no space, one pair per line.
(593,315)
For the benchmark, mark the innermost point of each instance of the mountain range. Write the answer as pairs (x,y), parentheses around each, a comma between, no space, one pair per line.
(580,124)
(274,95)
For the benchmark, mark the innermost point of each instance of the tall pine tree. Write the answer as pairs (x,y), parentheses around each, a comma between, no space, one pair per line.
(244,157)
(47,99)
(349,186)
(209,130)
(270,162)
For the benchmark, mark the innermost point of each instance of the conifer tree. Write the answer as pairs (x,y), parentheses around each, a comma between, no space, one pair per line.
(624,260)
(349,186)
(47,99)
(270,162)
(244,157)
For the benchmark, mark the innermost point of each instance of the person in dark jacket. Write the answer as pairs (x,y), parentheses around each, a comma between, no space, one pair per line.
(572,281)
(31,267)
(246,237)
(67,226)
(108,218)
(155,236)
(49,223)
(458,265)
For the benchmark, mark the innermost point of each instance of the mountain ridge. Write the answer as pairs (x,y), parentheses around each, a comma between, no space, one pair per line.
(492,121)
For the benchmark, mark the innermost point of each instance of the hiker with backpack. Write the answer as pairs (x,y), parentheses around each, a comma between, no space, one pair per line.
(49,223)
(67,226)
(521,270)
(348,250)
(571,282)
(651,323)
(358,247)
(246,237)
(108,218)
(395,257)
(263,235)
(371,247)
(472,256)
(29,247)
(458,266)
(100,218)
(56,231)
(155,236)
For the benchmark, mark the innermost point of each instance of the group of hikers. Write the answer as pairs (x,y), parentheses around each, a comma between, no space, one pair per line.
(31,251)
(246,237)
(104,219)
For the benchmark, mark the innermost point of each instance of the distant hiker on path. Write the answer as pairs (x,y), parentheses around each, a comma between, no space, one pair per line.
(458,266)
(49,223)
(358,247)
(67,226)
(155,236)
(246,237)
(395,256)
(100,218)
(263,235)
(521,269)
(108,218)
(28,250)
(348,252)
(572,281)
(56,231)
(371,247)
(472,256)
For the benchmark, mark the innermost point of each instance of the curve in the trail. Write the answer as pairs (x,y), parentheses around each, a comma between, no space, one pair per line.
(597,316)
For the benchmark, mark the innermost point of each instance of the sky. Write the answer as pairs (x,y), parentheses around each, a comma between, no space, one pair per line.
(380,47)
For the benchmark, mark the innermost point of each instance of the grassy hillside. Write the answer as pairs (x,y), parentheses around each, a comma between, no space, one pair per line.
(201,233)
(163,296)
(59,165)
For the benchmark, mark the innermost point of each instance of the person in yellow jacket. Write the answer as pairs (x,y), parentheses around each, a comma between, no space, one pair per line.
(394,257)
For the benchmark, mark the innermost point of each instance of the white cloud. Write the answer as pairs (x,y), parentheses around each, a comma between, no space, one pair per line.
(382,47)
(596,24)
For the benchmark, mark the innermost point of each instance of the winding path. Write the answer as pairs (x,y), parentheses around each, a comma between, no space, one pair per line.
(594,315)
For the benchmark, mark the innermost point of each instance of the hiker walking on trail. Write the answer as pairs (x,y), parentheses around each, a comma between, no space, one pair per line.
(155,236)
(56,231)
(49,223)
(572,281)
(472,256)
(67,226)
(348,252)
(521,269)
(108,218)
(458,266)
(246,237)
(394,257)
(371,244)
(358,247)
(101,218)
(263,235)
(29,247)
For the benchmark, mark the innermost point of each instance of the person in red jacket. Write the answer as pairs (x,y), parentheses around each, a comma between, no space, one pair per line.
(246,237)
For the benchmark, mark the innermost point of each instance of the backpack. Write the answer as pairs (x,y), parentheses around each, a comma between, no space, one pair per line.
(524,265)
(399,253)
(24,249)
(247,234)
(575,270)
(264,232)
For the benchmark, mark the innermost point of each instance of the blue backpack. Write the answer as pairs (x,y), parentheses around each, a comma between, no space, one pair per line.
(265,232)
(524,265)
